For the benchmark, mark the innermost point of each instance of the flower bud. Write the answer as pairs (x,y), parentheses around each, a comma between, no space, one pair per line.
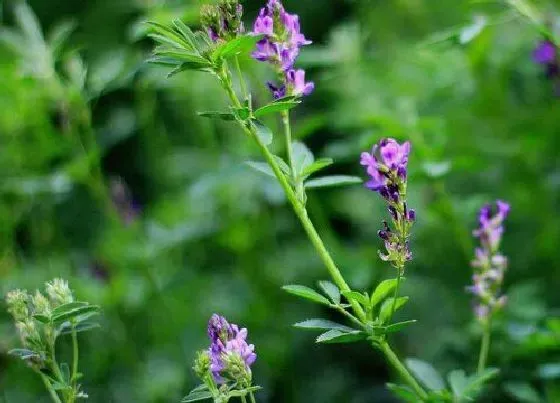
(58,291)
(17,304)
(236,368)
(201,365)
(41,304)
(223,20)
(28,333)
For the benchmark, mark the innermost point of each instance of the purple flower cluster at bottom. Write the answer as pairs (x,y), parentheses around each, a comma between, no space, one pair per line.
(489,264)
(226,340)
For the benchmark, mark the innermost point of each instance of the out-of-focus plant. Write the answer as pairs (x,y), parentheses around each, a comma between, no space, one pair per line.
(41,318)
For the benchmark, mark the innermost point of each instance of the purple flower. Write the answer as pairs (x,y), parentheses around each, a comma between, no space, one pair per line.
(228,340)
(387,166)
(280,47)
(489,264)
(545,52)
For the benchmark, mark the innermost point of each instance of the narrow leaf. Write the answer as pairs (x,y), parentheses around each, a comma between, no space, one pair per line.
(387,308)
(261,167)
(242,44)
(182,56)
(397,327)
(426,374)
(356,296)
(188,66)
(458,382)
(316,167)
(331,291)
(23,353)
(302,156)
(403,392)
(307,293)
(217,115)
(275,107)
(68,307)
(263,132)
(42,318)
(66,327)
(185,31)
(66,316)
(330,181)
(196,396)
(382,291)
(322,324)
(337,336)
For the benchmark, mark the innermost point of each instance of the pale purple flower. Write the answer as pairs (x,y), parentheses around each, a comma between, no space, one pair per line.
(545,52)
(296,83)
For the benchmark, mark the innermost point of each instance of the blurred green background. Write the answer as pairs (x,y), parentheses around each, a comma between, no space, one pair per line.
(162,223)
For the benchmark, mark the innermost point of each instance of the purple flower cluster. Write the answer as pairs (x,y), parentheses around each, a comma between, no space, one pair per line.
(228,344)
(222,21)
(546,54)
(387,167)
(280,46)
(489,263)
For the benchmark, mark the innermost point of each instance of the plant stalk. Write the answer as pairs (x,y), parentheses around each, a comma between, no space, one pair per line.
(51,390)
(484,346)
(401,369)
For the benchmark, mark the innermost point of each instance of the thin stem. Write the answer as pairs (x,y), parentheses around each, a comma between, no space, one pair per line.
(241,79)
(243,399)
(288,138)
(401,369)
(252,397)
(298,207)
(75,357)
(484,346)
(343,311)
(51,390)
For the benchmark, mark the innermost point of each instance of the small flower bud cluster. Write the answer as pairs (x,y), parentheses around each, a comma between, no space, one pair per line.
(489,264)
(387,167)
(229,357)
(223,20)
(280,47)
(59,293)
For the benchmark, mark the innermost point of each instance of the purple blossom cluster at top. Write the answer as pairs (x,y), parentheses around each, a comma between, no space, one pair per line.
(227,340)
(387,166)
(489,263)
(546,54)
(280,46)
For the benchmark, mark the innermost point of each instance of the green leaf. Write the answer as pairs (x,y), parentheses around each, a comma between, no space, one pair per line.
(330,181)
(387,307)
(261,167)
(331,291)
(167,35)
(274,107)
(426,374)
(227,116)
(243,392)
(338,336)
(263,132)
(403,392)
(477,382)
(283,166)
(42,318)
(74,313)
(523,392)
(549,371)
(67,307)
(242,113)
(65,369)
(307,293)
(356,296)
(397,327)
(316,167)
(66,327)
(197,395)
(185,32)
(188,66)
(59,35)
(23,353)
(242,44)
(458,382)
(322,324)
(382,291)
(182,56)
(302,157)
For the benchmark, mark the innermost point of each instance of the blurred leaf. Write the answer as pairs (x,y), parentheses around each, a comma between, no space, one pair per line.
(476,382)
(242,44)
(330,290)
(523,392)
(66,327)
(196,396)
(261,167)
(338,336)
(322,324)
(74,313)
(227,116)
(59,35)
(302,156)
(307,293)
(23,353)
(329,181)
(437,169)
(549,371)
(424,372)
(403,392)
(458,382)
(275,107)
(316,167)
(263,132)
(42,318)
(356,296)
(470,32)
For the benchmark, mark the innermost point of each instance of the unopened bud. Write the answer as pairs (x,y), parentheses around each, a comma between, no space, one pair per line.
(17,304)
(59,292)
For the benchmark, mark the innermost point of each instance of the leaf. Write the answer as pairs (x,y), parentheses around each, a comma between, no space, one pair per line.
(322,324)
(382,290)
(188,66)
(68,307)
(185,32)
(477,382)
(307,293)
(65,369)
(523,392)
(42,318)
(425,374)
(470,32)
(66,327)
(397,327)
(316,166)
(182,56)
(227,116)
(59,35)
(283,166)
(458,382)
(356,296)
(549,371)
(338,336)
(403,392)
(243,113)
(302,157)
(243,392)
(167,35)
(331,291)
(75,313)
(330,181)
(274,107)
(261,167)
(28,22)
(263,133)
(387,308)
(197,395)
(23,353)
(242,44)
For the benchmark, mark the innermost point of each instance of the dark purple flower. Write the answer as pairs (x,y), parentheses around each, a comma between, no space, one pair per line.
(545,52)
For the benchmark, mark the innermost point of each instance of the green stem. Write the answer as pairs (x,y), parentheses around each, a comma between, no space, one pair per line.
(252,397)
(243,399)
(395,295)
(241,79)
(401,369)
(288,138)
(75,357)
(298,207)
(484,346)
(51,390)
